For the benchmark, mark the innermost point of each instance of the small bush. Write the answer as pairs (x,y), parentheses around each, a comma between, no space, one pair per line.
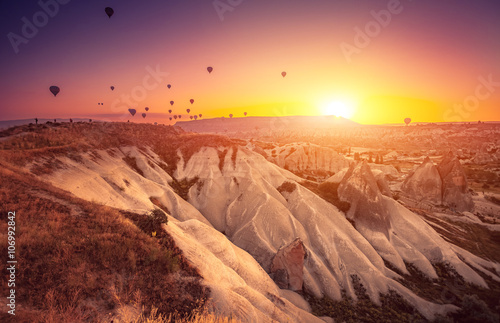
(287,187)
(152,222)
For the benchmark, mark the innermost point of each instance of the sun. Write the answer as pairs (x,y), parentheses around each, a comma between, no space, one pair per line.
(338,109)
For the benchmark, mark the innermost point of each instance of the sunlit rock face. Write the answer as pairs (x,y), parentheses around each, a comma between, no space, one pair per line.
(359,187)
(454,187)
(289,261)
(424,183)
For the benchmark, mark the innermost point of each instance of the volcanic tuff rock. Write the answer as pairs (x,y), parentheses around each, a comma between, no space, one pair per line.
(455,189)
(235,213)
(290,258)
(424,183)
(307,157)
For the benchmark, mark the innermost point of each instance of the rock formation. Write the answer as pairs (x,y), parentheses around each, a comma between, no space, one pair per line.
(455,189)
(424,183)
(288,265)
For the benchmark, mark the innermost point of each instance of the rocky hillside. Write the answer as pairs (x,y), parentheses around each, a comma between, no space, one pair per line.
(262,242)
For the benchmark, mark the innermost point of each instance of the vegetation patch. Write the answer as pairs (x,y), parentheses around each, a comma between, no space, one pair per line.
(288,187)
(75,268)
(183,186)
(393,307)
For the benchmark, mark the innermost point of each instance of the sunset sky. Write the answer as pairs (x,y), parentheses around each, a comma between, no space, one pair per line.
(432,61)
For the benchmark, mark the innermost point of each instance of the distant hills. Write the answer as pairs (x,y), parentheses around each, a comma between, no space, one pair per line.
(264,123)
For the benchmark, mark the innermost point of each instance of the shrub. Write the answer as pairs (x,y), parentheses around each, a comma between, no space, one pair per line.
(152,222)
(287,187)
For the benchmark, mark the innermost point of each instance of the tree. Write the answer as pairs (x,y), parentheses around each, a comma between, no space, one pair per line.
(377,160)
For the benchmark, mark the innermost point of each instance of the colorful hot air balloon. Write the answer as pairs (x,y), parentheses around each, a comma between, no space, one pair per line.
(171,102)
(146,108)
(245,114)
(169,86)
(210,69)
(144,115)
(283,74)
(132,112)
(169,111)
(109,11)
(231,115)
(192,101)
(54,89)
(188,110)
(407,121)
(112,88)
(195,117)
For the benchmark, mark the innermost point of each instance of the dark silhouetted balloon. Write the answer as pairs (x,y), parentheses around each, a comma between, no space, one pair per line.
(109,11)
(175,117)
(195,117)
(200,115)
(188,110)
(407,121)
(132,112)
(245,114)
(102,103)
(192,101)
(146,108)
(156,123)
(231,115)
(170,118)
(54,89)
(98,103)
(283,74)
(169,111)
(210,69)
(180,116)
(112,87)
(144,115)
(169,86)
(191,117)
(171,102)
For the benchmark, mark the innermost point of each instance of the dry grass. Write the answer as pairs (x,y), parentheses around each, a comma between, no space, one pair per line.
(78,261)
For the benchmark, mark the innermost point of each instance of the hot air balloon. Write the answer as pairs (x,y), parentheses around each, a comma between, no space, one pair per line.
(195,117)
(171,102)
(200,115)
(156,123)
(175,117)
(192,101)
(191,117)
(109,11)
(112,87)
(146,108)
(169,111)
(210,69)
(170,118)
(132,112)
(245,114)
(98,103)
(169,86)
(188,110)
(180,116)
(231,115)
(407,121)
(102,103)
(144,115)
(54,89)
(283,74)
